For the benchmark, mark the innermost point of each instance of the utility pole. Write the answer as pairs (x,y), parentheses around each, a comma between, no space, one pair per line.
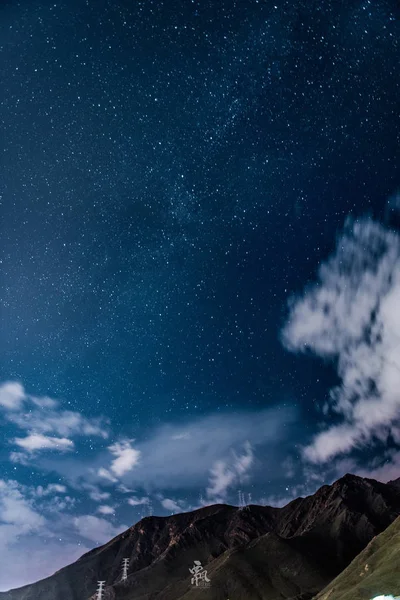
(248,502)
(100,590)
(125,565)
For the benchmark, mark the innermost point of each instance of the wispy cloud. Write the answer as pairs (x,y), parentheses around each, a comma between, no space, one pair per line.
(385,469)
(36,537)
(171,505)
(17,510)
(221,478)
(225,473)
(105,474)
(134,501)
(51,489)
(96,529)
(12,395)
(127,457)
(169,459)
(29,520)
(170,465)
(37,441)
(351,315)
(95,493)
(48,426)
(105,509)
(172,456)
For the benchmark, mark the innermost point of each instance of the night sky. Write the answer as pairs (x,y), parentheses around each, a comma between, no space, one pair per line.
(200,260)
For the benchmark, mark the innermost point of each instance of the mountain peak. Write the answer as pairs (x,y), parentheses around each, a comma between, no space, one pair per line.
(395,482)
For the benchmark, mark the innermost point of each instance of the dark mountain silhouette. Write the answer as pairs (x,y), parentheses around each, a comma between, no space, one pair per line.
(256,553)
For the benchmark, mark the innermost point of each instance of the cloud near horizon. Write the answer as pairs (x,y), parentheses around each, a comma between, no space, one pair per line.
(226,473)
(27,533)
(351,316)
(171,465)
(210,455)
(176,456)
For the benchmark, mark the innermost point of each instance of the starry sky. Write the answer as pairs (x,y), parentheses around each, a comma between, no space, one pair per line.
(200,260)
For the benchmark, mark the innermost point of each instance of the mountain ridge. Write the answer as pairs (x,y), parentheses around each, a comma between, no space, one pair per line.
(322,532)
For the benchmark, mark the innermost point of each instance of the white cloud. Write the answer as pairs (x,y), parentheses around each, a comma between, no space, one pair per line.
(50,489)
(171,505)
(184,463)
(221,478)
(126,457)
(134,501)
(105,509)
(169,460)
(95,494)
(243,462)
(19,458)
(225,473)
(17,510)
(44,417)
(29,549)
(105,474)
(352,316)
(338,439)
(59,504)
(44,402)
(96,529)
(34,559)
(172,457)
(389,468)
(12,395)
(124,489)
(36,441)
(36,537)
(59,422)
(181,436)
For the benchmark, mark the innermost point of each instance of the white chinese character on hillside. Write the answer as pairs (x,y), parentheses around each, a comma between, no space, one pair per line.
(199,575)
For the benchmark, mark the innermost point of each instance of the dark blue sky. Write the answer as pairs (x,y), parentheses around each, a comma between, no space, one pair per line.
(173,173)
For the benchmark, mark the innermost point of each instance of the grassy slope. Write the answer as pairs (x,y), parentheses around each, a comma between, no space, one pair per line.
(375,571)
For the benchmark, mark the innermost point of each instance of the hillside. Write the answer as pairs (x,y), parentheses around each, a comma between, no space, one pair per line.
(375,571)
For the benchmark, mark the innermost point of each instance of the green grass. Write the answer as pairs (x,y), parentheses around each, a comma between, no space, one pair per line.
(374,572)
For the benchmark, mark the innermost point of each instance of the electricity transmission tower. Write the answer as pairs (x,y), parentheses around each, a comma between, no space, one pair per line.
(247,507)
(125,565)
(242,502)
(100,590)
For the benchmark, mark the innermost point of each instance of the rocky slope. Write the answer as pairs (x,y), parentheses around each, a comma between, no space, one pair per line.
(259,553)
